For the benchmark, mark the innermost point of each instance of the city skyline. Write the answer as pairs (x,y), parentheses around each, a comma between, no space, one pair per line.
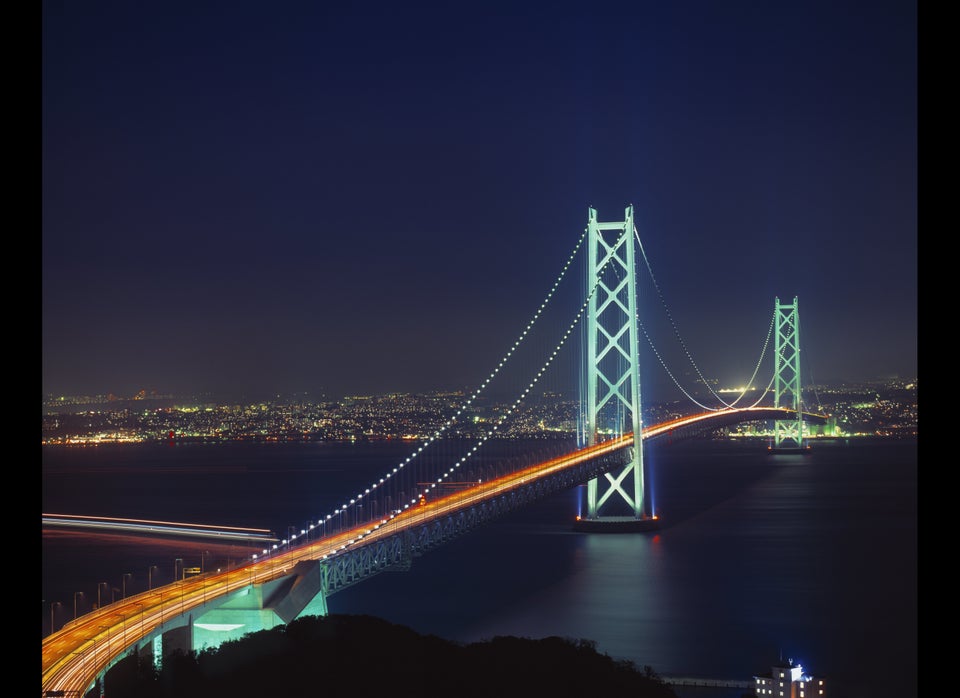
(51,400)
(327,201)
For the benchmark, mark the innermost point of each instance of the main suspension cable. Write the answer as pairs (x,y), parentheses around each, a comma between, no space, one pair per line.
(492,432)
(449,423)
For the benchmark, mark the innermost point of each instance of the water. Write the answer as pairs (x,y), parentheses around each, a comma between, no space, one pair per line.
(809,557)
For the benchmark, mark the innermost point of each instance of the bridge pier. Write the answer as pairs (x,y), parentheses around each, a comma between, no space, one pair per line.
(617,524)
(155,647)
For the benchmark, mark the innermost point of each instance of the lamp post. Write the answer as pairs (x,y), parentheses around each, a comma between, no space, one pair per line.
(182,574)
(75,594)
(113,594)
(99,586)
(101,627)
(150,570)
(53,605)
(141,620)
(124,583)
(202,555)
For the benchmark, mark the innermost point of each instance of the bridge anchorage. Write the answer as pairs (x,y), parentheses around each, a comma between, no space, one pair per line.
(616,502)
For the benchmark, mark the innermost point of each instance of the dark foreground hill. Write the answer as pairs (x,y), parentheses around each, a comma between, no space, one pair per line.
(366,656)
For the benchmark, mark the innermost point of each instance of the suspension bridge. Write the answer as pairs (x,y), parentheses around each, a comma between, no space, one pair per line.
(428,500)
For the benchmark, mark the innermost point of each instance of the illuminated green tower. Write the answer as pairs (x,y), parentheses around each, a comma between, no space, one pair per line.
(788,433)
(612,374)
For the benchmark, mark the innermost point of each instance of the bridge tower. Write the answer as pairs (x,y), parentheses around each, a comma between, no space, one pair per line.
(611,407)
(788,433)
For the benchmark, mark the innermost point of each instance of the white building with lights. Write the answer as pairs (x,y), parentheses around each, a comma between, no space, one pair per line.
(789,681)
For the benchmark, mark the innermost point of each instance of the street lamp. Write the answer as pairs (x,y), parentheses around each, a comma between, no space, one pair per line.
(75,594)
(202,555)
(175,561)
(150,570)
(107,628)
(53,605)
(124,583)
(99,585)
(140,605)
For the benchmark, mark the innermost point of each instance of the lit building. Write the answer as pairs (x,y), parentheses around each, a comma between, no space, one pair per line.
(789,681)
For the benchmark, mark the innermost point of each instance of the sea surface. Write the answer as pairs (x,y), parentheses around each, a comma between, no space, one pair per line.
(811,558)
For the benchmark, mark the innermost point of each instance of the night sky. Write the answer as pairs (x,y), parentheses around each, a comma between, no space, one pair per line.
(258,198)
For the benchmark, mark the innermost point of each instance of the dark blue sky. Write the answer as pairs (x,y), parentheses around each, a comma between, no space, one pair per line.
(269,197)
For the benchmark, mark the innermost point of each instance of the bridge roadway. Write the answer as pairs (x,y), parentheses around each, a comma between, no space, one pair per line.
(74,656)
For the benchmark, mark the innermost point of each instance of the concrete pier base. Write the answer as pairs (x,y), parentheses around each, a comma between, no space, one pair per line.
(617,524)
